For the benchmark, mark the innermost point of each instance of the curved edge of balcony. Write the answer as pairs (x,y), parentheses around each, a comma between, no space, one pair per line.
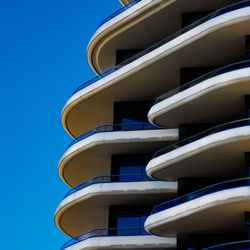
(225,80)
(211,141)
(116,25)
(154,56)
(123,2)
(221,198)
(121,242)
(112,189)
(115,137)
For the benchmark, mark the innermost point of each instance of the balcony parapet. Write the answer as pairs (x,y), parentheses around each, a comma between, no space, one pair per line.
(244,244)
(211,209)
(132,238)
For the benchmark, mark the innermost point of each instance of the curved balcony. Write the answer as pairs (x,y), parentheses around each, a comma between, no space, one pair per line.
(108,179)
(129,238)
(121,31)
(116,13)
(94,197)
(90,154)
(205,153)
(219,208)
(243,245)
(223,33)
(203,99)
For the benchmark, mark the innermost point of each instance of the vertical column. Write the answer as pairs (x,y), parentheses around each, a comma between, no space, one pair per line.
(248,47)
(247,105)
(247,222)
(247,163)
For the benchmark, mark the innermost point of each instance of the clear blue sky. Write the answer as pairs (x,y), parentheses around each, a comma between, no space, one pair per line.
(43,59)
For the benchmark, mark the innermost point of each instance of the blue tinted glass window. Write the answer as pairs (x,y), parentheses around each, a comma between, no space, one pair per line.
(128,225)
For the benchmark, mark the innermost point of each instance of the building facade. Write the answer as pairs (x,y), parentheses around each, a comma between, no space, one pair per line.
(161,151)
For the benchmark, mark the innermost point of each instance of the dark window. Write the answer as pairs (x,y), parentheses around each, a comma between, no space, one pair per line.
(129,220)
(191,17)
(123,55)
(127,112)
(130,167)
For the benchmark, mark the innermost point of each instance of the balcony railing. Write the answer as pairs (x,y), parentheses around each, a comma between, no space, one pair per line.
(216,72)
(213,130)
(109,179)
(114,128)
(116,13)
(231,7)
(105,232)
(242,245)
(202,192)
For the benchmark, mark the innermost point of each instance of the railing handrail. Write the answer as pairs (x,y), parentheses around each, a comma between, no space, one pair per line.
(93,181)
(89,234)
(213,130)
(159,43)
(160,207)
(117,12)
(228,244)
(198,80)
(122,126)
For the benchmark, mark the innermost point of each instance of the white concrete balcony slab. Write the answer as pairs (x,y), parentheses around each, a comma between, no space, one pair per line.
(218,98)
(217,211)
(138,242)
(218,41)
(88,207)
(218,154)
(91,156)
(120,30)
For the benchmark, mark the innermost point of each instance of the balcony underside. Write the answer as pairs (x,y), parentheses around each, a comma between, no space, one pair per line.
(92,156)
(88,208)
(218,42)
(121,32)
(219,212)
(219,154)
(218,99)
(125,242)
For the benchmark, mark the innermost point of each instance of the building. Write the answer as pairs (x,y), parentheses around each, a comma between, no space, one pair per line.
(160,157)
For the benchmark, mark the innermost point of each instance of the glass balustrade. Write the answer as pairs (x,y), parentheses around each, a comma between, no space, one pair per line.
(223,10)
(105,232)
(216,72)
(115,128)
(116,13)
(242,182)
(241,245)
(213,130)
(109,179)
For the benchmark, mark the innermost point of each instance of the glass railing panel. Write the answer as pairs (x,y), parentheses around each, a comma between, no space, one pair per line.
(240,245)
(204,191)
(216,72)
(216,129)
(223,10)
(116,13)
(104,233)
(113,128)
(109,179)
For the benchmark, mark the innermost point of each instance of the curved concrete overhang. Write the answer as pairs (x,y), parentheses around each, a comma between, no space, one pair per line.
(138,242)
(94,201)
(91,156)
(145,78)
(121,32)
(216,99)
(219,212)
(103,44)
(219,154)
